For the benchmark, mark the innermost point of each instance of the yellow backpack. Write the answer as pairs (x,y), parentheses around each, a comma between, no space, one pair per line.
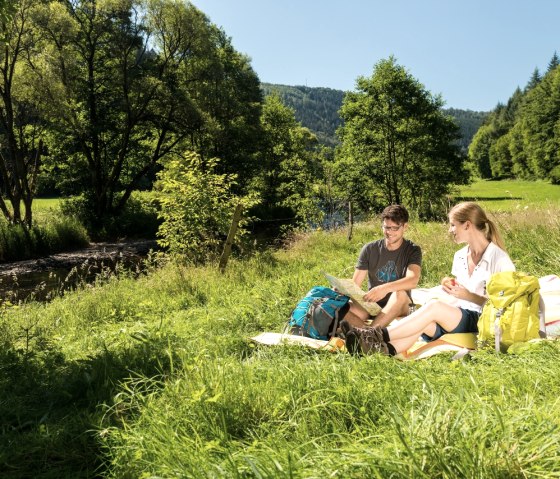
(511,314)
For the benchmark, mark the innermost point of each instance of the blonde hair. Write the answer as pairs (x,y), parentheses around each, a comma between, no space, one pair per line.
(470,211)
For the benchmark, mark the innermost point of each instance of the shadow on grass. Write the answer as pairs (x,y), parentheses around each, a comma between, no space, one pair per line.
(51,408)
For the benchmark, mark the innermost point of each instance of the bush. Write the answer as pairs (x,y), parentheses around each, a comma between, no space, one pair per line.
(138,219)
(196,207)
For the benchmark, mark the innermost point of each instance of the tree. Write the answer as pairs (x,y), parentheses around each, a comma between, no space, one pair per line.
(534,80)
(289,165)
(128,83)
(553,63)
(397,145)
(21,127)
(197,206)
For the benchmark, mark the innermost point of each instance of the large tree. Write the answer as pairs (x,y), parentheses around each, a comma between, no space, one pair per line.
(397,145)
(21,127)
(289,166)
(127,83)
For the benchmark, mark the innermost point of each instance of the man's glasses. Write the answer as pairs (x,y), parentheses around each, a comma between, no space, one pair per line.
(391,228)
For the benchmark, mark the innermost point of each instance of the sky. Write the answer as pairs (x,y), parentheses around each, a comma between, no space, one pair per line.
(474,53)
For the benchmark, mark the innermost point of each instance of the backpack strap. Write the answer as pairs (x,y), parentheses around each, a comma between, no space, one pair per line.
(542,319)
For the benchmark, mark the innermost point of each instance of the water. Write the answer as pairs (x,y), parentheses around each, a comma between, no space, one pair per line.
(45,278)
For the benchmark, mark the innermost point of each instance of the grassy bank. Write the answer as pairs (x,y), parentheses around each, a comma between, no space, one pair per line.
(155,377)
(51,233)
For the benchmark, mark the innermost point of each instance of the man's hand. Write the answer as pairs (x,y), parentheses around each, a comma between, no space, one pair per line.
(377,293)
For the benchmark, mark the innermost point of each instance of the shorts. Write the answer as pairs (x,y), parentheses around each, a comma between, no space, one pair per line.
(467,324)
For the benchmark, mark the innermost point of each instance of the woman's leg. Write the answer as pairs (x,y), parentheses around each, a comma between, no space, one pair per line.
(424,320)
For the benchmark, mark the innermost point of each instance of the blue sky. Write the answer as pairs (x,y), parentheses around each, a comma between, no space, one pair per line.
(472,52)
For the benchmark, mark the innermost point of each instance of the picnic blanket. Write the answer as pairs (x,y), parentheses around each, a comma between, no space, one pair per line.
(460,343)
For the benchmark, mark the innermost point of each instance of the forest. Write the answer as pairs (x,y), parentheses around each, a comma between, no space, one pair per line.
(318,109)
(521,139)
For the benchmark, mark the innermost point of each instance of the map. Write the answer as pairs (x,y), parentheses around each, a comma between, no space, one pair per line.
(356,294)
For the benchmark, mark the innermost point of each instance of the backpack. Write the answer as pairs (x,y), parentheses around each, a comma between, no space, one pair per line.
(511,314)
(317,314)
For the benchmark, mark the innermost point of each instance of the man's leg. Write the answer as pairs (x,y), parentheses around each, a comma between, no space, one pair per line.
(397,306)
(356,316)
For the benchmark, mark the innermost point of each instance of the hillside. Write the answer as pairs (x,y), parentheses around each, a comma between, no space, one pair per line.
(317,109)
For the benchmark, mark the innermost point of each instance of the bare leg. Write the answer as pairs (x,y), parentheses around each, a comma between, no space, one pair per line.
(424,320)
(396,306)
(356,316)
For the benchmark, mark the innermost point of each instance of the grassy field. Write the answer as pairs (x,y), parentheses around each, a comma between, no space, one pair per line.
(512,195)
(155,376)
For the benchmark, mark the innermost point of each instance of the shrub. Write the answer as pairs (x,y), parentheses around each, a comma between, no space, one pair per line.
(138,219)
(197,205)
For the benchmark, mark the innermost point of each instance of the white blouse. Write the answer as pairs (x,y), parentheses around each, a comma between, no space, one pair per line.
(494,260)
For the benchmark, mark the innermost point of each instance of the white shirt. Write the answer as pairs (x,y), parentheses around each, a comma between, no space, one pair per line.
(494,260)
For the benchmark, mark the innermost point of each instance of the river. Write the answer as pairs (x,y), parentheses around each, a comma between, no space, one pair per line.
(40,279)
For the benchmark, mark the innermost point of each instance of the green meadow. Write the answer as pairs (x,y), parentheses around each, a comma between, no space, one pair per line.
(154,376)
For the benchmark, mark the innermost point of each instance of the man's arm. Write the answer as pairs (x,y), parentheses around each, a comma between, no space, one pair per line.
(410,281)
(359,276)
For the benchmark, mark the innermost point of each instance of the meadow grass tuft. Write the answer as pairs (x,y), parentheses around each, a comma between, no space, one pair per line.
(154,376)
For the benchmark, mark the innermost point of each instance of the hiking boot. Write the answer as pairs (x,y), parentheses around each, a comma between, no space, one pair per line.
(366,341)
(345,328)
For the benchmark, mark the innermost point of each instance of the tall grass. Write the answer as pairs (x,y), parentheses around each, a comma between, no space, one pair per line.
(51,235)
(156,377)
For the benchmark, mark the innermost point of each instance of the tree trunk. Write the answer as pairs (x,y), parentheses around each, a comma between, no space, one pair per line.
(230,237)
(350,220)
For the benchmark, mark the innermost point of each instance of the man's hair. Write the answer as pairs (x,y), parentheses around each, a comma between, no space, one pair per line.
(395,213)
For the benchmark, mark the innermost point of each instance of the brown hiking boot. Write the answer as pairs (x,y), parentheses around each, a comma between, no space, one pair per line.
(366,341)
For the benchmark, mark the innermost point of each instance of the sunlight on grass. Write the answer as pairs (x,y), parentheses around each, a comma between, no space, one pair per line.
(155,376)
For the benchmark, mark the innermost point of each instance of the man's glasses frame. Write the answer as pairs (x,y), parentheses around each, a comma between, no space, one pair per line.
(391,228)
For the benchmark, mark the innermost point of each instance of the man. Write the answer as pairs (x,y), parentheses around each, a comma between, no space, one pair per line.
(392,265)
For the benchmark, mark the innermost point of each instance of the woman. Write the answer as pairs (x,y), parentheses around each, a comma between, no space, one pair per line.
(472,267)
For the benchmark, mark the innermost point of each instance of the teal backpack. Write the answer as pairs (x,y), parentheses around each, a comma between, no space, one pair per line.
(317,314)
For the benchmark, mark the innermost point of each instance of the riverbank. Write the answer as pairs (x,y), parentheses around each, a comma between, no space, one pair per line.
(39,277)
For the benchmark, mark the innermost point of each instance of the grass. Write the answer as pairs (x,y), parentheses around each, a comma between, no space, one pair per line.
(155,377)
(512,195)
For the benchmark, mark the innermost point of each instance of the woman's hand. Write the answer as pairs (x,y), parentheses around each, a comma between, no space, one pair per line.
(447,283)
(456,290)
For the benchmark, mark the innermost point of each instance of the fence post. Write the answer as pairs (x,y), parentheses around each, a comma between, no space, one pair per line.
(350,220)
(231,235)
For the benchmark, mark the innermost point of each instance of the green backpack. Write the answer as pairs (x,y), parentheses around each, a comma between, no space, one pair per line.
(511,314)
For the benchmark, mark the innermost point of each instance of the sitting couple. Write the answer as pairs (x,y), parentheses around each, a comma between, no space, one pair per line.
(392,265)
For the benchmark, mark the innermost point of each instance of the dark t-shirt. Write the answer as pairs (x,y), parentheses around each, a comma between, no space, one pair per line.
(384,266)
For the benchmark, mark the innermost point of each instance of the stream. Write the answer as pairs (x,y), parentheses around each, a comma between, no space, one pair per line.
(41,279)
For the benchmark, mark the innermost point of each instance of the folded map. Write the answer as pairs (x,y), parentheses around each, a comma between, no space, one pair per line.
(356,294)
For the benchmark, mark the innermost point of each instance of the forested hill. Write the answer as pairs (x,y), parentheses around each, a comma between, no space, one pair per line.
(317,109)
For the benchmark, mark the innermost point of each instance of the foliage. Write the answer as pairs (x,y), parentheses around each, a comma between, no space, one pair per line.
(197,205)
(155,377)
(53,235)
(521,139)
(290,168)
(397,146)
(137,219)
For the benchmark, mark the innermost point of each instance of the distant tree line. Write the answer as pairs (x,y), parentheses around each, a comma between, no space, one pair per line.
(521,138)
(319,110)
